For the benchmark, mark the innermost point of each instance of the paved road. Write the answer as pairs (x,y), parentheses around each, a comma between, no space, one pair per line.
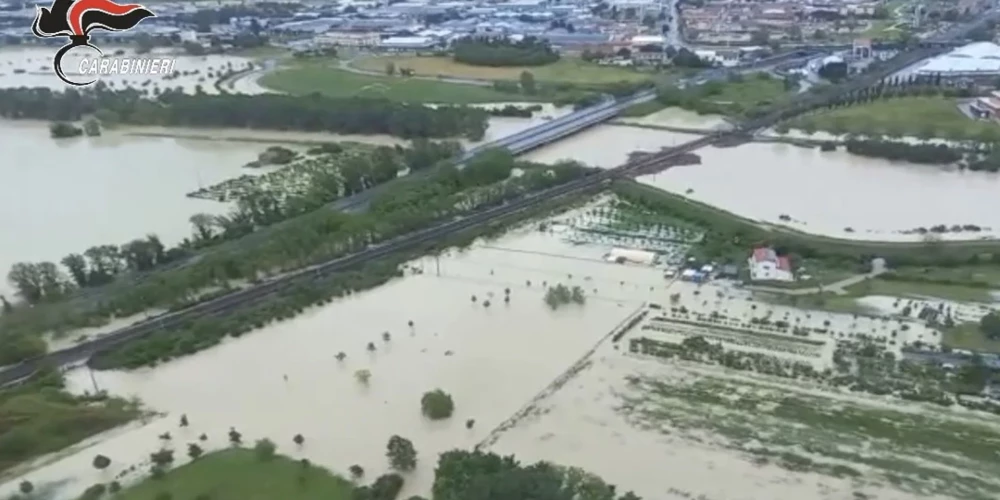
(836,288)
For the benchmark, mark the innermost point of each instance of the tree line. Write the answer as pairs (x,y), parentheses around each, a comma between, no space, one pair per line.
(101,264)
(475,475)
(529,51)
(312,238)
(934,154)
(727,236)
(312,112)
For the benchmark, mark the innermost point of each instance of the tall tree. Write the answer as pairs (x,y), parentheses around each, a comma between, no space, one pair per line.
(77,267)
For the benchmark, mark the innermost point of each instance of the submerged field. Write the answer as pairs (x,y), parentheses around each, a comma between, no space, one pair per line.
(682,426)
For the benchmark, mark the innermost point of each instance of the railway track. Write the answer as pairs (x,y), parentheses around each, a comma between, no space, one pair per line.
(254,295)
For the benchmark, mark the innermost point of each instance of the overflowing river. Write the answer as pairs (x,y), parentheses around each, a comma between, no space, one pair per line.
(65,196)
(828,193)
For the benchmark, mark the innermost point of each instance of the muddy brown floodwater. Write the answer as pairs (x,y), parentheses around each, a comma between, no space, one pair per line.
(491,359)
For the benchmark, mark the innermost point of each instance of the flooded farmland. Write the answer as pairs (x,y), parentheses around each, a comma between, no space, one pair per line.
(491,359)
(497,360)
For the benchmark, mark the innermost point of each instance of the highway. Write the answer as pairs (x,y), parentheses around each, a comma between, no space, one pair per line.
(250,296)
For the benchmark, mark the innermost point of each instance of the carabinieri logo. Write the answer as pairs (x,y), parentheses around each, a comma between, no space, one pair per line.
(75,19)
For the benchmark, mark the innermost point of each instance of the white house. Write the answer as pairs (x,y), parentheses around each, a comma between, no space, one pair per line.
(766,265)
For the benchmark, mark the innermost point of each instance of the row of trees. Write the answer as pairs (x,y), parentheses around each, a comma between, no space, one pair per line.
(726,238)
(101,264)
(317,237)
(914,153)
(529,51)
(312,112)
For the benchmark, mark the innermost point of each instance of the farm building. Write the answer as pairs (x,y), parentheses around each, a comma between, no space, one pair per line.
(766,265)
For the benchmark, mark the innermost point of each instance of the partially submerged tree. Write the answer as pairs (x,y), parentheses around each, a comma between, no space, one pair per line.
(437,404)
(401,453)
(101,462)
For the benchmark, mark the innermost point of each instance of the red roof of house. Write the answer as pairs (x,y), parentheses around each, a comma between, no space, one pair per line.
(763,254)
(784,264)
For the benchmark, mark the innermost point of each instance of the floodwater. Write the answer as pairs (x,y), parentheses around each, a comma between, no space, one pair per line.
(32,67)
(492,360)
(677,117)
(581,425)
(63,196)
(823,193)
(495,361)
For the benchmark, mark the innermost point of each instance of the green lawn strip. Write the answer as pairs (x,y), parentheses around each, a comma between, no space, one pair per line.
(826,301)
(717,220)
(566,70)
(238,474)
(987,276)
(750,91)
(918,289)
(969,337)
(933,116)
(773,424)
(303,79)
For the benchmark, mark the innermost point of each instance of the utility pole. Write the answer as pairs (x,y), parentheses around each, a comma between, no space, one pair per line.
(93,380)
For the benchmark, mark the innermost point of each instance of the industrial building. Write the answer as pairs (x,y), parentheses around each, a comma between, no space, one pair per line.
(976,61)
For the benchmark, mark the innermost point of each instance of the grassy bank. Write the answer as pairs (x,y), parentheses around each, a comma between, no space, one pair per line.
(924,117)
(237,474)
(568,70)
(39,417)
(733,97)
(302,79)
(730,236)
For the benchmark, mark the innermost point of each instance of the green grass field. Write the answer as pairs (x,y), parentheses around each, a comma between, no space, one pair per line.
(303,79)
(924,117)
(968,336)
(567,70)
(751,91)
(895,288)
(39,420)
(237,474)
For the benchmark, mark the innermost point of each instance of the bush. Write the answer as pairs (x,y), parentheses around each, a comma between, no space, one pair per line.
(437,404)
(265,449)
